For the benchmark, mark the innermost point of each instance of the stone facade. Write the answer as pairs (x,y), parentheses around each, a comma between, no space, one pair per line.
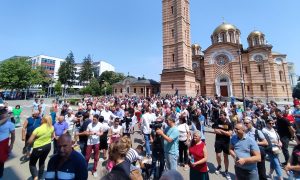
(264,73)
(136,87)
(177,71)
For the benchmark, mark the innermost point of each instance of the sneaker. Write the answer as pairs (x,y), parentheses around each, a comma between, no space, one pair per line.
(218,170)
(227,175)
(95,174)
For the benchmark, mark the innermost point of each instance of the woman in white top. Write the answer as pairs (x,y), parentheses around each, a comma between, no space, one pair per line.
(275,140)
(184,138)
(116,131)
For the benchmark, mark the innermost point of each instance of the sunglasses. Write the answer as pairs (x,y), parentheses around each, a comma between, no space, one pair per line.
(271,123)
(246,123)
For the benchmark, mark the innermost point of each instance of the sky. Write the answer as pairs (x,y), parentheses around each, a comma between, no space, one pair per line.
(128,33)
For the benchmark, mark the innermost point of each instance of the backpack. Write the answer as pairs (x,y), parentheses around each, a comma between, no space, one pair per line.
(264,149)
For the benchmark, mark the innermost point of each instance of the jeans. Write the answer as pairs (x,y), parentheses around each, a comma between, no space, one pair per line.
(244,174)
(275,164)
(83,146)
(40,154)
(183,152)
(89,149)
(171,161)
(157,155)
(285,145)
(147,143)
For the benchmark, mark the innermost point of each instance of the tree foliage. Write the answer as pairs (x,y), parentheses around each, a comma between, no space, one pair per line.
(110,77)
(58,88)
(66,72)
(16,74)
(296,91)
(93,88)
(87,69)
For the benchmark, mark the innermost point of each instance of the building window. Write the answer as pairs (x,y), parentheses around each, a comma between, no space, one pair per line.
(248,88)
(172,86)
(173,34)
(116,90)
(127,89)
(134,90)
(246,70)
(203,73)
(142,90)
(280,75)
(282,88)
(262,87)
(121,90)
(172,9)
(259,68)
(173,57)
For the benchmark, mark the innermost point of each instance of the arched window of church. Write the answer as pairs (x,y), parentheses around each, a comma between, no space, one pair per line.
(172,86)
(127,89)
(280,75)
(223,80)
(231,37)
(256,42)
(121,90)
(222,37)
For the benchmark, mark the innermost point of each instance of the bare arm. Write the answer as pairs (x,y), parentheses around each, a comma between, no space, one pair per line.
(231,151)
(292,131)
(31,139)
(253,159)
(24,130)
(12,139)
(226,133)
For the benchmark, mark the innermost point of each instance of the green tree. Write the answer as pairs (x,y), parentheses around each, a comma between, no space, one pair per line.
(58,88)
(40,77)
(15,74)
(66,72)
(93,88)
(87,69)
(296,91)
(107,79)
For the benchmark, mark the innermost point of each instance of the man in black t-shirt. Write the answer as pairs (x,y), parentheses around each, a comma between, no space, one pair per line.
(223,130)
(83,137)
(157,153)
(286,132)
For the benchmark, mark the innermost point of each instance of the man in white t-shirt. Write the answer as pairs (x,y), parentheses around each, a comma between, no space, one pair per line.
(93,142)
(70,119)
(107,114)
(147,119)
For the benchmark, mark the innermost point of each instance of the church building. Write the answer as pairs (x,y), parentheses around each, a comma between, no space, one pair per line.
(226,68)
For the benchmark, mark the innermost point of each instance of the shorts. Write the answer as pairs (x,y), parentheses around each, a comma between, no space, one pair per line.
(222,146)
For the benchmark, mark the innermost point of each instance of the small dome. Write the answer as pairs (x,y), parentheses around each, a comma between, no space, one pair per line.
(256,33)
(195,45)
(225,27)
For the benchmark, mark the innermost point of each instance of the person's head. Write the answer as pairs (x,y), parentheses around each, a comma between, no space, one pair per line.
(270,123)
(139,149)
(95,118)
(170,121)
(86,115)
(17,107)
(35,114)
(196,136)
(239,129)
(248,123)
(64,145)
(182,119)
(171,175)
(118,150)
(36,100)
(47,120)
(101,119)
(297,106)
(278,113)
(61,119)
(116,122)
(223,115)
(3,113)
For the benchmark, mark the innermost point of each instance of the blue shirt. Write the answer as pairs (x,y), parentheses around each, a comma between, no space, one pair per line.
(6,129)
(59,128)
(172,147)
(297,111)
(33,123)
(243,148)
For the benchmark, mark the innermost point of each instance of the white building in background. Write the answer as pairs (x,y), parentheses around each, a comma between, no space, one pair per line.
(102,66)
(292,74)
(50,64)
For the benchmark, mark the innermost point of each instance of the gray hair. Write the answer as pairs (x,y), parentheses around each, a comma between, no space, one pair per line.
(197,132)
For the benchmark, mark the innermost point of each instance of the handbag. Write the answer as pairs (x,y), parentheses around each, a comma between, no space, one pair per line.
(276,149)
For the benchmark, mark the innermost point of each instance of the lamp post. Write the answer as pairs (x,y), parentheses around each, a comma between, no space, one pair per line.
(242,78)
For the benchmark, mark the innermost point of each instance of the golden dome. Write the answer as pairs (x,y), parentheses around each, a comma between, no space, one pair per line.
(224,27)
(256,33)
(195,45)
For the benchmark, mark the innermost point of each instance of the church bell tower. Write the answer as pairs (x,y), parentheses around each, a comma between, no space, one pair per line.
(177,75)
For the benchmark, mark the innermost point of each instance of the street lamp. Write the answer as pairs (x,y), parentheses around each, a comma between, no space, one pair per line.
(242,77)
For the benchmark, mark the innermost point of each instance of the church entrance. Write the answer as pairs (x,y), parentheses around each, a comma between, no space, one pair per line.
(223,86)
(224,91)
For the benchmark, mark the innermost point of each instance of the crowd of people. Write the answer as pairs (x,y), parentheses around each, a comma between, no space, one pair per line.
(172,130)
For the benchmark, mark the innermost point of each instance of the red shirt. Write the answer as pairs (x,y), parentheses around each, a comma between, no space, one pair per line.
(197,152)
(289,117)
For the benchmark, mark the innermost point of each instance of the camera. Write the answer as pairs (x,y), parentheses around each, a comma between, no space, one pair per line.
(127,121)
(156,125)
